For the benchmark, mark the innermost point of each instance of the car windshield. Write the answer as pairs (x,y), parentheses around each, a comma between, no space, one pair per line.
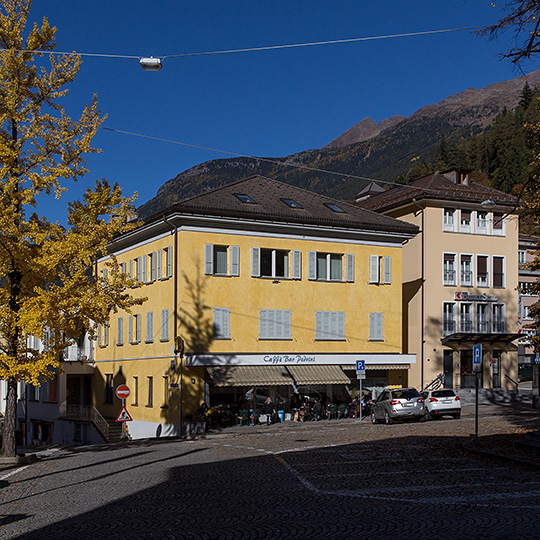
(443,393)
(406,393)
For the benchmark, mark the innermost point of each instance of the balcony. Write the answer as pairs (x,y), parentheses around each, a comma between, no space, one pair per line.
(466,326)
(499,327)
(449,326)
(466,278)
(482,279)
(449,277)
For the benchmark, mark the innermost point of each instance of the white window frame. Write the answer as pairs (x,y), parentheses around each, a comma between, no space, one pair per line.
(330,326)
(488,267)
(313,259)
(233,260)
(449,271)
(499,219)
(256,263)
(496,320)
(221,326)
(521,256)
(374,269)
(466,320)
(449,219)
(466,228)
(462,261)
(275,324)
(503,258)
(482,225)
(483,318)
(453,318)
(387,270)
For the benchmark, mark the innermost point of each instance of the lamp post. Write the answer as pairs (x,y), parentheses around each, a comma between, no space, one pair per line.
(150,63)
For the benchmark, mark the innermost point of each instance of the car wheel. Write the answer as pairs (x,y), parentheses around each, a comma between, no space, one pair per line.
(387,418)
(373,419)
(457,415)
(423,418)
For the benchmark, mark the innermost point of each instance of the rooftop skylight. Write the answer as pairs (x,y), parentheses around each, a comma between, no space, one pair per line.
(291,203)
(242,197)
(335,208)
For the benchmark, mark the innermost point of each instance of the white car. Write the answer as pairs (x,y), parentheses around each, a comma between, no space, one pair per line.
(443,401)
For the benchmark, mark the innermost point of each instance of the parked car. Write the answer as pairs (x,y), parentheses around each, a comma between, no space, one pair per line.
(441,402)
(398,404)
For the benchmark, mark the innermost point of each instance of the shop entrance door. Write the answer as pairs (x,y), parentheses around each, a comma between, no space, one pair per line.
(467,373)
(448,369)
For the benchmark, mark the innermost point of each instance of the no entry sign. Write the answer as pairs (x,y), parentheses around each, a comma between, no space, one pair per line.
(122,392)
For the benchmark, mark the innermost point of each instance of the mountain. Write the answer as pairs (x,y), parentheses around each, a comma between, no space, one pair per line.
(365,152)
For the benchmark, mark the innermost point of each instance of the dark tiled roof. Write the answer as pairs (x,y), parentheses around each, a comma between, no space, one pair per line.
(269,196)
(436,186)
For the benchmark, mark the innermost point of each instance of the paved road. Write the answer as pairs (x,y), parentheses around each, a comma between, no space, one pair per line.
(324,480)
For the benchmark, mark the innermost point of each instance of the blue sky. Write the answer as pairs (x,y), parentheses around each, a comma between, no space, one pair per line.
(267,103)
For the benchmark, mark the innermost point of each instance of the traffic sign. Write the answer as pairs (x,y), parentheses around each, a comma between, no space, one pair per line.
(360,374)
(123,416)
(360,365)
(477,355)
(122,392)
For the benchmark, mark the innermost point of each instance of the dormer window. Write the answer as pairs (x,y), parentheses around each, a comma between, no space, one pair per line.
(335,208)
(246,199)
(464,178)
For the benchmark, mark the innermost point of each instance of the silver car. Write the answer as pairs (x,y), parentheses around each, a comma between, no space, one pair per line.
(441,402)
(398,404)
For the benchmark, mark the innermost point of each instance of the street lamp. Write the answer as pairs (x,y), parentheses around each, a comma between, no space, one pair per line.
(151,63)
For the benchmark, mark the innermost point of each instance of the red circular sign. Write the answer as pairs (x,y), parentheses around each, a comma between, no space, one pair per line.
(122,391)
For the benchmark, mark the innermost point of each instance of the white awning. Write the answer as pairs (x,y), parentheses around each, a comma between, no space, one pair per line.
(316,374)
(249,375)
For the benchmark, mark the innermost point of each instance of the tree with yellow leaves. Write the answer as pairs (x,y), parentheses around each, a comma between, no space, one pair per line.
(47,271)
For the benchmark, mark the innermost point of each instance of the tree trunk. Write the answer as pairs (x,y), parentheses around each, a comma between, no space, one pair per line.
(9,446)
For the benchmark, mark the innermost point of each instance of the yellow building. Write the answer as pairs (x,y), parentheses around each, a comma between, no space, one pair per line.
(460,278)
(273,290)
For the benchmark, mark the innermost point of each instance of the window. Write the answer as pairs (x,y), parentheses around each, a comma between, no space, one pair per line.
(465,222)
(150,399)
(481,222)
(164,325)
(53,389)
(138,328)
(335,208)
(130,328)
(449,318)
(498,224)
(527,312)
(274,324)
(482,318)
(499,318)
(120,333)
(242,197)
(466,272)
(150,327)
(109,387)
(498,272)
(465,317)
(274,263)
(521,256)
(525,288)
(330,325)
(134,330)
(221,323)
(104,278)
(482,275)
(106,334)
(138,268)
(291,203)
(216,260)
(449,269)
(151,270)
(449,220)
(329,266)
(135,391)
(164,263)
(376,327)
(33,392)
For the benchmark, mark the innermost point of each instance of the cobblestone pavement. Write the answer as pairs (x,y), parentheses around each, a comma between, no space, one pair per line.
(320,480)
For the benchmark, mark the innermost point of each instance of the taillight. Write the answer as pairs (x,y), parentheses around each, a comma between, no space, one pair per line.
(395,402)
(432,399)
(457,398)
(420,400)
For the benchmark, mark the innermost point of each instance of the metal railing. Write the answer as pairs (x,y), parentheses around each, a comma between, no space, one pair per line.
(84,413)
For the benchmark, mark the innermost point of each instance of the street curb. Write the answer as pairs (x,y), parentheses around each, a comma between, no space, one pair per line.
(25,459)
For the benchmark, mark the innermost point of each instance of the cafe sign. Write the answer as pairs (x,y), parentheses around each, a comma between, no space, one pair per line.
(467,297)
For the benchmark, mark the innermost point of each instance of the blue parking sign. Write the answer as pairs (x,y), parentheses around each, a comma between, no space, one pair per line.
(360,365)
(477,355)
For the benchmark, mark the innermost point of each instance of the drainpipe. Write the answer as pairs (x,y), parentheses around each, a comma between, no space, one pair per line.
(422,309)
(174,230)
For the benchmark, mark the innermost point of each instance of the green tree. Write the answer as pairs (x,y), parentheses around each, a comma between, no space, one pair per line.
(46,269)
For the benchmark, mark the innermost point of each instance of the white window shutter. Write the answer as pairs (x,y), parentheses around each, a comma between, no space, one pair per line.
(312,265)
(150,326)
(349,267)
(138,268)
(153,266)
(120,330)
(263,323)
(376,326)
(374,269)
(235,260)
(297,264)
(99,335)
(208,259)
(158,263)
(255,262)
(387,270)
(130,328)
(131,268)
(169,261)
(144,268)
(164,324)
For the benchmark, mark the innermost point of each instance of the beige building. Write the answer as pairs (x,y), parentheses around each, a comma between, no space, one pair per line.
(460,278)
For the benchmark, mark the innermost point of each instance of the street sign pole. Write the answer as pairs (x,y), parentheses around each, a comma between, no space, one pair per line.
(477,367)
(361,374)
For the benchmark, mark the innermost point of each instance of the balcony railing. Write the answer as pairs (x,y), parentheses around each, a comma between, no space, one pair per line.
(449,277)
(449,326)
(466,277)
(465,326)
(482,279)
(482,327)
(84,413)
(499,327)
